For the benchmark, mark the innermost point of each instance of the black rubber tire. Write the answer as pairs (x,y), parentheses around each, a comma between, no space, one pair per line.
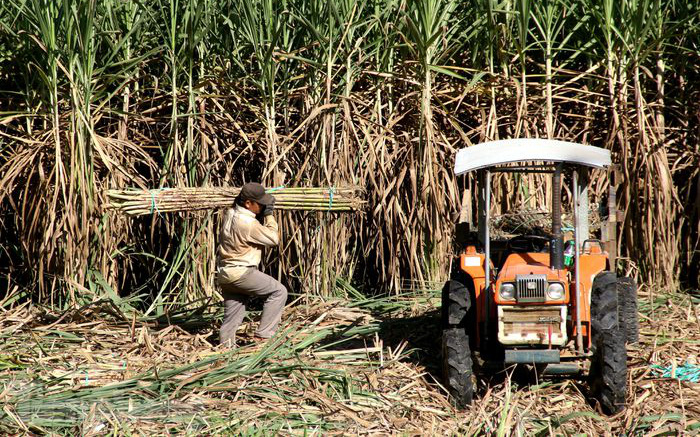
(457,366)
(456,351)
(456,303)
(608,374)
(629,317)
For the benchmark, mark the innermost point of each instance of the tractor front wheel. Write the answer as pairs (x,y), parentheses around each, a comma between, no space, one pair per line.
(456,353)
(608,374)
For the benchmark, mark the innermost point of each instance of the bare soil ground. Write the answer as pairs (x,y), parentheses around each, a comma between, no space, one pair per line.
(336,367)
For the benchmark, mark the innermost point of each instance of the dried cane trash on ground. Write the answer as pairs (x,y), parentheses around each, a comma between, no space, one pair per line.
(336,367)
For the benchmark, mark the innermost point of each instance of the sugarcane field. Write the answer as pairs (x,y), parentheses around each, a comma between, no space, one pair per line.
(349,217)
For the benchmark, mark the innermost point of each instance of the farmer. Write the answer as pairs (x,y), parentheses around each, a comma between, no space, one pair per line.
(241,239)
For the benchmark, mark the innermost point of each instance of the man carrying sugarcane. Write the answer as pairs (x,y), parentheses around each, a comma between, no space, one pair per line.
(246,229)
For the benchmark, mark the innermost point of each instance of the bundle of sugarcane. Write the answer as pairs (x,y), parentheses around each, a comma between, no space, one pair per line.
(136,202)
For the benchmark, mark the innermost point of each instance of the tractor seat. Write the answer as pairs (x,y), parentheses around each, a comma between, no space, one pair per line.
(528,244)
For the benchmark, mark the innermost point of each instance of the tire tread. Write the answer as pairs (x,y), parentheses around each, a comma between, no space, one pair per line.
(456,351)
(608,375)
(629,317)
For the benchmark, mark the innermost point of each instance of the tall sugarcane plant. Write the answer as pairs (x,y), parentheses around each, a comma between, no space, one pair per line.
(101,94)
(432,37)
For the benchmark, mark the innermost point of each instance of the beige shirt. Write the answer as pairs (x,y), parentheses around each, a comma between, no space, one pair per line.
(241,240)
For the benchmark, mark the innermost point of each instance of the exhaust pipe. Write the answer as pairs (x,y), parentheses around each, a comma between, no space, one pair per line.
(556,246)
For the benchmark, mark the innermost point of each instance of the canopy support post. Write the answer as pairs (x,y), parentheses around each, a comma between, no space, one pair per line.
(487,251)
(577,252)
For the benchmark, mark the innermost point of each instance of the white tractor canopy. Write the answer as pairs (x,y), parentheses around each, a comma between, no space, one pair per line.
(496,153)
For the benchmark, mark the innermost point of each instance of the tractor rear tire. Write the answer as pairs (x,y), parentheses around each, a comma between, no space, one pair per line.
(608,374)
(456,353)
(629,317)
(457,366)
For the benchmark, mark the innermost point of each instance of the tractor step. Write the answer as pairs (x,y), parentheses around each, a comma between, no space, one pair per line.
(536,356)
(563,369)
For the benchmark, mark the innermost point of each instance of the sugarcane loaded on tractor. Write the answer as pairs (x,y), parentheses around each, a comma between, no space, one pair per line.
(247,228)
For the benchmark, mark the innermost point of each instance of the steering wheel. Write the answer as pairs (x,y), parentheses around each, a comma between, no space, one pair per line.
(528,243)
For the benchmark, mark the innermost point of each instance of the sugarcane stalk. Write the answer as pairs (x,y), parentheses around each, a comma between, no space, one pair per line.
(135,202)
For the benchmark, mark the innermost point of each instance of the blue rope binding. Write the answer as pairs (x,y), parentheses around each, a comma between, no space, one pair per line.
(270,190)
(154,205)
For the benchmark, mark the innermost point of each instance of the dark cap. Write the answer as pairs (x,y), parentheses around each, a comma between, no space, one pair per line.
(255,192)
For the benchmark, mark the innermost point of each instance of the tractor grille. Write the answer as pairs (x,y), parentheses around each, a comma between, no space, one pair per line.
(531,288)
(533,324)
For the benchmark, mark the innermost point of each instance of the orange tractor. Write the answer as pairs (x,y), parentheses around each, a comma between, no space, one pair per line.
(537,300)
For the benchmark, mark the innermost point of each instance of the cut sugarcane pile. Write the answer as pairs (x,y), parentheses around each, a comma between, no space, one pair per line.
(135,202)
(530,221)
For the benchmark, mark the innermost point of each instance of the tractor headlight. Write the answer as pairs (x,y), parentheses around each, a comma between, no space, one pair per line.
(507,291)
(555,291)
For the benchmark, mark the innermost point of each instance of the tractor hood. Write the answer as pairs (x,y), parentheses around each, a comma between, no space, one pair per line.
(529,264)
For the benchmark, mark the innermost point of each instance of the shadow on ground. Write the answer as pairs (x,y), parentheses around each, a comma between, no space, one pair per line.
(423,335)
(419,337)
